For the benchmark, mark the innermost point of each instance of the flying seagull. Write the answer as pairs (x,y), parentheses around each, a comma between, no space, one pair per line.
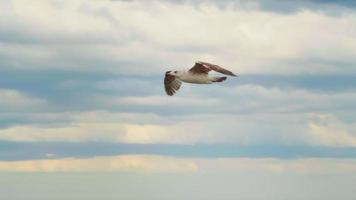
(198,74)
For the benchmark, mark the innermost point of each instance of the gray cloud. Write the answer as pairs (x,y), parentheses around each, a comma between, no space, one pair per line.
(286,6)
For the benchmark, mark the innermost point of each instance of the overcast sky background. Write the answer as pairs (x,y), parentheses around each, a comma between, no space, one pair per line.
(83,112)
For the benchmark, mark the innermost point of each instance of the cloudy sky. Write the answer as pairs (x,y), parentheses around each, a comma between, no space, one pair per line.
(83,112)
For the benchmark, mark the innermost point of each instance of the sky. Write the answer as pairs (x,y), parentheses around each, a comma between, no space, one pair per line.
(84,115)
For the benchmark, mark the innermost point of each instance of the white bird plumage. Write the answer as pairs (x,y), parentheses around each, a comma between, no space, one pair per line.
(198,74)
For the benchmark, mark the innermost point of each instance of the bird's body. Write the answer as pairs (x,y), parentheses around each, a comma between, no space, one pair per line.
(189,77)
(198,74)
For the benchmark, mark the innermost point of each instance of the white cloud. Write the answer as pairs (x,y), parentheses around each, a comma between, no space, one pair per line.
(69,21)
(127,36)
(331,132)
(114,163)
(97,116)
(13,100)
(166,101)
(255,98)
(151,164)
(70,132)
(293,129)
(248,115)
(310,165)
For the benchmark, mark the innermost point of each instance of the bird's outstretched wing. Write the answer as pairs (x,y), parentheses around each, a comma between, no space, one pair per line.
(171,84)
(204,68)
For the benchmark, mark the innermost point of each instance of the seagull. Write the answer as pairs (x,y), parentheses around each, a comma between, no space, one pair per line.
(198,74)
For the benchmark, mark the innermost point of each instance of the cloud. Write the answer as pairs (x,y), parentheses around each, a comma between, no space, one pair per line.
(238,99)
(108,132)
(163,35)
(331,132)
(253,97)
(13,100)
(273,128)
(94,73)
(166,101)
(251,114)
(114,163)
(149,163)
(285,7)
(34,27)
(280,166)
(70,132)
(11,151)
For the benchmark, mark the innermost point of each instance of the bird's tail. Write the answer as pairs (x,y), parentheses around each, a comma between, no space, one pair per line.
(219,79)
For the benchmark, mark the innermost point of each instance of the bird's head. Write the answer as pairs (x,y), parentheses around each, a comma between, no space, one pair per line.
(173,73)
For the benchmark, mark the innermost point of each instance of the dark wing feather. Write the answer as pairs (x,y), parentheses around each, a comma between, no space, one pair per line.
(171,84)
(205,68)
